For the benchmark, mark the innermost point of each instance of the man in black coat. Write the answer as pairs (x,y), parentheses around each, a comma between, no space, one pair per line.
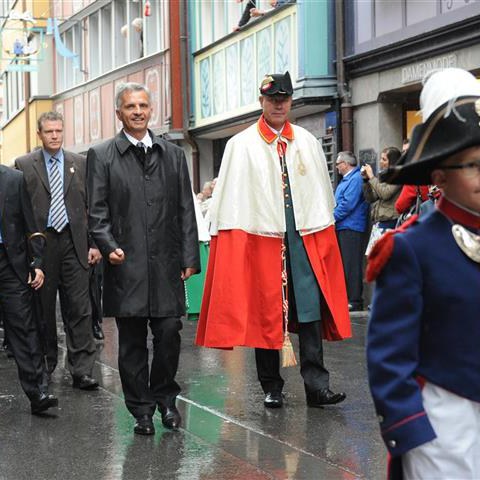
(16,296)
(141,216)
(55,181)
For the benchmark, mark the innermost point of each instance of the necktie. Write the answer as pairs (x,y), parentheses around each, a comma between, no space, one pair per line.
(58,212)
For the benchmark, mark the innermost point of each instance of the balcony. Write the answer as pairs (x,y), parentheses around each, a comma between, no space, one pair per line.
(227,72)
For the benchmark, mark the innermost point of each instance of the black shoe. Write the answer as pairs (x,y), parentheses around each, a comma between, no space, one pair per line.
(324,397)
(43,402)
(355,307)
(171,418)
(144,425)
(85,382)
(97,331)
(273,400)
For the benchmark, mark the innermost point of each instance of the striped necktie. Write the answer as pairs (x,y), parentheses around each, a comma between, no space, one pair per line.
(58,212)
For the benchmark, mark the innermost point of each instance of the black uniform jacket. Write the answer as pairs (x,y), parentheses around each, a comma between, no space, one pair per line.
(145,207)
(74,191)
(16,223)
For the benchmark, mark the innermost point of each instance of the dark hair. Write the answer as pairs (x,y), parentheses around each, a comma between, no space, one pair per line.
(393,154)
(49,117)
(405,141)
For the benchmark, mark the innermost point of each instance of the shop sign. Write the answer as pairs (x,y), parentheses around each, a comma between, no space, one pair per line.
(417,71)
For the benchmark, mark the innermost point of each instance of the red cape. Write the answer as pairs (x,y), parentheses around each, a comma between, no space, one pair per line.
(242,299)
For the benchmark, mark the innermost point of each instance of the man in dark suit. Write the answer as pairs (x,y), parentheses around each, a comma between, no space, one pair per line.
(55,181)
(141,216)
(16,283)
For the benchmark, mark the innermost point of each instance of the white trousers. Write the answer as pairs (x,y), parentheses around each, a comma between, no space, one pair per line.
(455,453)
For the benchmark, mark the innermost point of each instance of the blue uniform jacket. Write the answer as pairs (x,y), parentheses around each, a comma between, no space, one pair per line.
(352,210)
(425,322)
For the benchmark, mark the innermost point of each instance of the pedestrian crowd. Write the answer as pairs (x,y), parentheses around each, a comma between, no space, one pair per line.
(121,233)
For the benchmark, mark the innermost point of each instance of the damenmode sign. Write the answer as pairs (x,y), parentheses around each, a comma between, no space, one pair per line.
(417,71)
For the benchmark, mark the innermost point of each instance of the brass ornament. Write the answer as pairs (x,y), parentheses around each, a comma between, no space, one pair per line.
(468,241)
(301,169)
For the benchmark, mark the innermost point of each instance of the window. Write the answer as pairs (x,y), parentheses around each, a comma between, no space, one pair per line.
(95,47)
(156,29)
(135,31)
(120,29)
(106,35)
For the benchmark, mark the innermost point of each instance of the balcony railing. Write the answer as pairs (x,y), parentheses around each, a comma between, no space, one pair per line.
(228,73)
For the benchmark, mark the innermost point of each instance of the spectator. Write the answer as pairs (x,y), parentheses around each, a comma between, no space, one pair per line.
(207,191)
(381,196)
(256,12)
(351,214)
(245,18)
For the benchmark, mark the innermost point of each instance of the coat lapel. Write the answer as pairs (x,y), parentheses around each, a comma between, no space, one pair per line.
(68,172)
(41,169)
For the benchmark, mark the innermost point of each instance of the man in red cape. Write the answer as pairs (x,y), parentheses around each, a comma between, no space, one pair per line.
(274,256)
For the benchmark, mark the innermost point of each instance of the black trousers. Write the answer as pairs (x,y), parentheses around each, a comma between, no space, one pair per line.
(352,248)
(315,375)
(16,300)
(64,271)
(144,390)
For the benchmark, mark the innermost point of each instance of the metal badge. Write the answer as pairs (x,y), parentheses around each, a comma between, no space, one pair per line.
(468,242)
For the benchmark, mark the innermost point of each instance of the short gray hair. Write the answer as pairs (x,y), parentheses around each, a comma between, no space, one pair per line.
(348,157)
(130,87)
(49,117)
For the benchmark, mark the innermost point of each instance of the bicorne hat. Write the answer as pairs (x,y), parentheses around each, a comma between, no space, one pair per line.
(450,105)
(277,84)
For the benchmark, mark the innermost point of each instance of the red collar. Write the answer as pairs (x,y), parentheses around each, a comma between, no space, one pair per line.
(458,214)
(266,132)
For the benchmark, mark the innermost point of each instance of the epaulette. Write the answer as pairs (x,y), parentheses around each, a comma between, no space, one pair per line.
(383,249)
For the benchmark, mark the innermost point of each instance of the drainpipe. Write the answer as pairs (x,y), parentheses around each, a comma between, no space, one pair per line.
(185,74)
(346,109)
(26,93)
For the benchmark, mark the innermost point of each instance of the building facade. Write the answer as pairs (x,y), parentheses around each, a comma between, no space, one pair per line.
(227,67)
(390,47)
(26,73)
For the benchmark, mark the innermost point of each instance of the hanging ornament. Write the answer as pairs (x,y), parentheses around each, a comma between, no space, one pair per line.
(148,10)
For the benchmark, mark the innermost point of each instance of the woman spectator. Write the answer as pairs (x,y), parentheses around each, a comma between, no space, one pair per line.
(381,196)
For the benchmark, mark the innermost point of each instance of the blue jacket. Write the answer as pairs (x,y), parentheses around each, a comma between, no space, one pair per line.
(351,211)
(424,323)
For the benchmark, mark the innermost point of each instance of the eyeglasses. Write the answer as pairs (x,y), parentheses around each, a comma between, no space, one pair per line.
(339,162)
(470,170)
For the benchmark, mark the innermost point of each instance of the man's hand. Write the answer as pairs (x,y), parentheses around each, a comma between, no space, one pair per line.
(37,282)
(94,256)
(117,257)
(188,272)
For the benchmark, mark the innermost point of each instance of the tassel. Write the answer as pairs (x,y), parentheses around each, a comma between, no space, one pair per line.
(288,355)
